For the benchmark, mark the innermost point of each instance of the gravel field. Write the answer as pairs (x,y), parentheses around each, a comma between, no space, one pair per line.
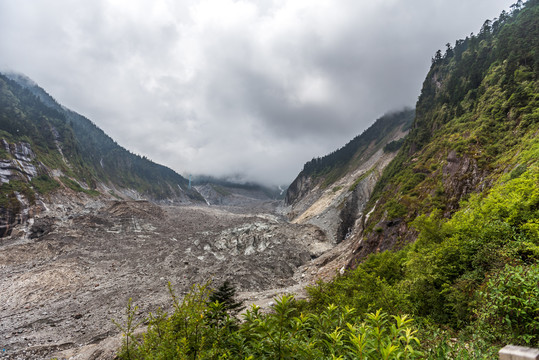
(73,267)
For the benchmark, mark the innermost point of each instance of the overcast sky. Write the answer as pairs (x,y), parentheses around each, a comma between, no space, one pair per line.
(222,87)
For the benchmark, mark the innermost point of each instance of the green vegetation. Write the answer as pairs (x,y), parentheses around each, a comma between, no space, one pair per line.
(473,276)
(361,178)
(75,186)
(394,145)
(466,181)
(88,155)
(476,273)
(225,295)
(336,332)
(9,191)
(478,109)
(44,184)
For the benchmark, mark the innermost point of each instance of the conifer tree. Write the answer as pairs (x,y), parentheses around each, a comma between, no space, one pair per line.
(225,295)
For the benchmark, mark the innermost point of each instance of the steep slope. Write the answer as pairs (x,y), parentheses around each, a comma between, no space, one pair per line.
(459,205)
(476,117)
(46,147)
(331,191)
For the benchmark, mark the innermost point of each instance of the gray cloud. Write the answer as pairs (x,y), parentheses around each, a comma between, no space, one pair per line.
(233,87)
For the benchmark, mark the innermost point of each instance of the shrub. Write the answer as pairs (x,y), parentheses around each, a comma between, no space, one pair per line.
(508,307)
(284,333)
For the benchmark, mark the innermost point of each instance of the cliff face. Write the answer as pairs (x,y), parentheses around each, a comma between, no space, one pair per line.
(476,114)
(19,167)
(332,196)
(19,162)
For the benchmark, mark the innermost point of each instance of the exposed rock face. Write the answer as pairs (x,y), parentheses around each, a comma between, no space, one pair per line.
(8,218)
(339,212)
(461,176)
(21,165)
(299,189)
(337,208)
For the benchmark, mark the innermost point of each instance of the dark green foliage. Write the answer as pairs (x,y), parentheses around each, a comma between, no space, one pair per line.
(394,145)
(44,184)
(473,272)
(128,330)
(509,304)
(8,191)
(75,186)
(225,295)
(476,272)
(519,170)
(480,99)
(361,178)
(335,332)
(395,209)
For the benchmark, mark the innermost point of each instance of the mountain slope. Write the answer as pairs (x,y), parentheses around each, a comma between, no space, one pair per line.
(46,146)
(218,191)
(459,205)
(477,114)
(331,191)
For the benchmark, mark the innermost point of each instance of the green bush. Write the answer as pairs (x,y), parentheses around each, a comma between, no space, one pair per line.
(508,306)
(284,333)
(44,184)
(75,186)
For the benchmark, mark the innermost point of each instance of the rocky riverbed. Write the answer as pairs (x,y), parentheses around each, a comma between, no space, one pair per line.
(71,270)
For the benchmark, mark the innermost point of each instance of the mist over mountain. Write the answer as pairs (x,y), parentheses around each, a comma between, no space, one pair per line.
(191,84)
(439,230)
(46,146)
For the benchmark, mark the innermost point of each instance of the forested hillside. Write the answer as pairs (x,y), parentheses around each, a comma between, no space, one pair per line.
(107,160)
(45,146)
(477,112)
(463,192)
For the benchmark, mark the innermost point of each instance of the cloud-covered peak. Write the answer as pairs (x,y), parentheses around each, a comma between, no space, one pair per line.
(225,87)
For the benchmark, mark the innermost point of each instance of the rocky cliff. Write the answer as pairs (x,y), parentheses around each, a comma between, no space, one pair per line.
(477,113)
(333,196)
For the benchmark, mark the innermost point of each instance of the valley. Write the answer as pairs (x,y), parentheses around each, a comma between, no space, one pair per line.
(71,270)
(421,234)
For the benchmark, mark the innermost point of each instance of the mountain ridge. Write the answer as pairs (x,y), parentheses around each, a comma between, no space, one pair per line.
(477,110)
(46,147)
(331,191)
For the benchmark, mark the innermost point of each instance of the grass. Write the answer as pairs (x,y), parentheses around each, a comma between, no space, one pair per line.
(75,186)
(44,184)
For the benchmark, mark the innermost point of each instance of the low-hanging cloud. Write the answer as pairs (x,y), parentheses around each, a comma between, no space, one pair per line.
(226,87)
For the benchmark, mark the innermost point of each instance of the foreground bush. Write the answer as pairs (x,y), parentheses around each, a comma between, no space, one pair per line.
(193,331)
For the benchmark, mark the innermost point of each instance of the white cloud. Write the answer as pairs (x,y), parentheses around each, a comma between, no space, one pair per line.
(227,87)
